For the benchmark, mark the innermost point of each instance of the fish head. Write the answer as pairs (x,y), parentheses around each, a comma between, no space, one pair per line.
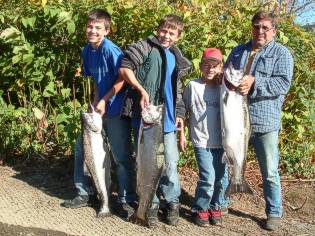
(233,76)
(92,121)
(152,114)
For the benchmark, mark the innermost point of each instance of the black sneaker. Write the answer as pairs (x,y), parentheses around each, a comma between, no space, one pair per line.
(126,210)
(272,223)
(172,216)
(77,202)
(153,215)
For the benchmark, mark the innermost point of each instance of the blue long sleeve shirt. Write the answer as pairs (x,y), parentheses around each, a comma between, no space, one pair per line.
(272,68)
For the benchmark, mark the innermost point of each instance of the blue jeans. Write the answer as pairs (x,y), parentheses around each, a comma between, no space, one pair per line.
(169,185)
(213,179)
(266,148)
(119,136)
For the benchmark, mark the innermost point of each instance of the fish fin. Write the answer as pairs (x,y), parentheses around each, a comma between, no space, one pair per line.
(235,187)
(225,159)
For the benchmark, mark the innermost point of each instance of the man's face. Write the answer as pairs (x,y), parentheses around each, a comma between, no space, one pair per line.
(167,36)
(209,69)
(263,32)
(95,32)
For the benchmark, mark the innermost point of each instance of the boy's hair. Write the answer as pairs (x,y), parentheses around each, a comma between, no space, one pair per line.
(99,15)
(173,22)
(264,15)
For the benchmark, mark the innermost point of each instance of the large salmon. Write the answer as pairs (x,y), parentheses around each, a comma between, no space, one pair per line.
(97,157)
(235,125)
(150,161)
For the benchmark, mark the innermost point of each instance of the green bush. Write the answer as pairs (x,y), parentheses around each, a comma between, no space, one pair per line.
(40,42)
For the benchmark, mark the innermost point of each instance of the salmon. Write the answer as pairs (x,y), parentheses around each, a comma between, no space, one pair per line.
(235,125)
(150,161)
(96,154)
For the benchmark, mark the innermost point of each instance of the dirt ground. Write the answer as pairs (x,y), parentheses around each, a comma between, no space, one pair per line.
(31,192)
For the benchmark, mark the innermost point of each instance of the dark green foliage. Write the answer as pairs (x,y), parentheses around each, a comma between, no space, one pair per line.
(40,48)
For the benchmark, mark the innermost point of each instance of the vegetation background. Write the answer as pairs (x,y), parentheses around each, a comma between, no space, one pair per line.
(40,45)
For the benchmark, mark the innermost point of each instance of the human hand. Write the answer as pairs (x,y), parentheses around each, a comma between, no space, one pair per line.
(145,100)
(100,107)
(246,84)
(179,123)
(182,140)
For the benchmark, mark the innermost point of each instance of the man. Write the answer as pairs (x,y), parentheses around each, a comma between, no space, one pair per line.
(268,70)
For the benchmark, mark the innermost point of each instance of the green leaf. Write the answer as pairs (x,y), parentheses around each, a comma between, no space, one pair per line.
(10,33)
(49,90)
(51,75)
(16,59)
(28,58)
(38,113)
(71,27)
(20,112)
(61,118)
(65,92)
(1,19)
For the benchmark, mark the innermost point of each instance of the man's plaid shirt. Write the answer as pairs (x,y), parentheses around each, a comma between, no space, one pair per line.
(273,69)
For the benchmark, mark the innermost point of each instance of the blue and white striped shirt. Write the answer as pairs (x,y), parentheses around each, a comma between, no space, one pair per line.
(272,68)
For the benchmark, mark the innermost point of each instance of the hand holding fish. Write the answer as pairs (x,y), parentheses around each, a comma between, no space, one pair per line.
(145,100)
(179,123)
(101,107)
(246,84)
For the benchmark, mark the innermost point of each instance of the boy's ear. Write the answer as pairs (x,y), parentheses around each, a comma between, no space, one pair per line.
(107,31)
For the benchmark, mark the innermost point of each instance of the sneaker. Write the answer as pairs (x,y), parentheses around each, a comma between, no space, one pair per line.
(153,215)
(201,217)
(272,223)
(215,215)
(77,202)
(127,209)
(172,216)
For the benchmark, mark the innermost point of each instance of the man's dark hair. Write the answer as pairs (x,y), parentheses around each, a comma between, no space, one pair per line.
(264,15)
(99,15)
(173,22)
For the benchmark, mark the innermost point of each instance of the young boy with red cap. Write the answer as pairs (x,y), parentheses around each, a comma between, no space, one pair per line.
(202,102)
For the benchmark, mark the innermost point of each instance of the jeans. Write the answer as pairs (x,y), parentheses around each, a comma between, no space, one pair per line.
(118,132)
(266,149)
(213,179)
(169,185)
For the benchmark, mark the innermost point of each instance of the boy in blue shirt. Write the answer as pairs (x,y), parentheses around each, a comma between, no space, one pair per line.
(101,60)
(155,67)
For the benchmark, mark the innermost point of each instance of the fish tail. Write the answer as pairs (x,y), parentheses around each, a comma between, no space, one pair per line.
(134,218)
(238,187)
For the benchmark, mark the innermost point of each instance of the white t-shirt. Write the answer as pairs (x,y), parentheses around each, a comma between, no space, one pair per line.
(202,103)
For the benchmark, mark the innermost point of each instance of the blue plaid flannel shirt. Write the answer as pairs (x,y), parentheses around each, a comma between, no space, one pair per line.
(273,69)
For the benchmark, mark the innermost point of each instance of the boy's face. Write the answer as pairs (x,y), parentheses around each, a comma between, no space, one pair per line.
(209,69)
(167,36)
(95,32)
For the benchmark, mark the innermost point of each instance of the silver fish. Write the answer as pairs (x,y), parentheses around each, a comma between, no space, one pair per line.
(235,125)
(150,161)
(97,157)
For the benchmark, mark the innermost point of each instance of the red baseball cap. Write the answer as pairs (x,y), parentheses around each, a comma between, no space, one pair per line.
(212,54)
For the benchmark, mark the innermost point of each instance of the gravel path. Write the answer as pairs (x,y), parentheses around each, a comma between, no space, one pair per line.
(30,205)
